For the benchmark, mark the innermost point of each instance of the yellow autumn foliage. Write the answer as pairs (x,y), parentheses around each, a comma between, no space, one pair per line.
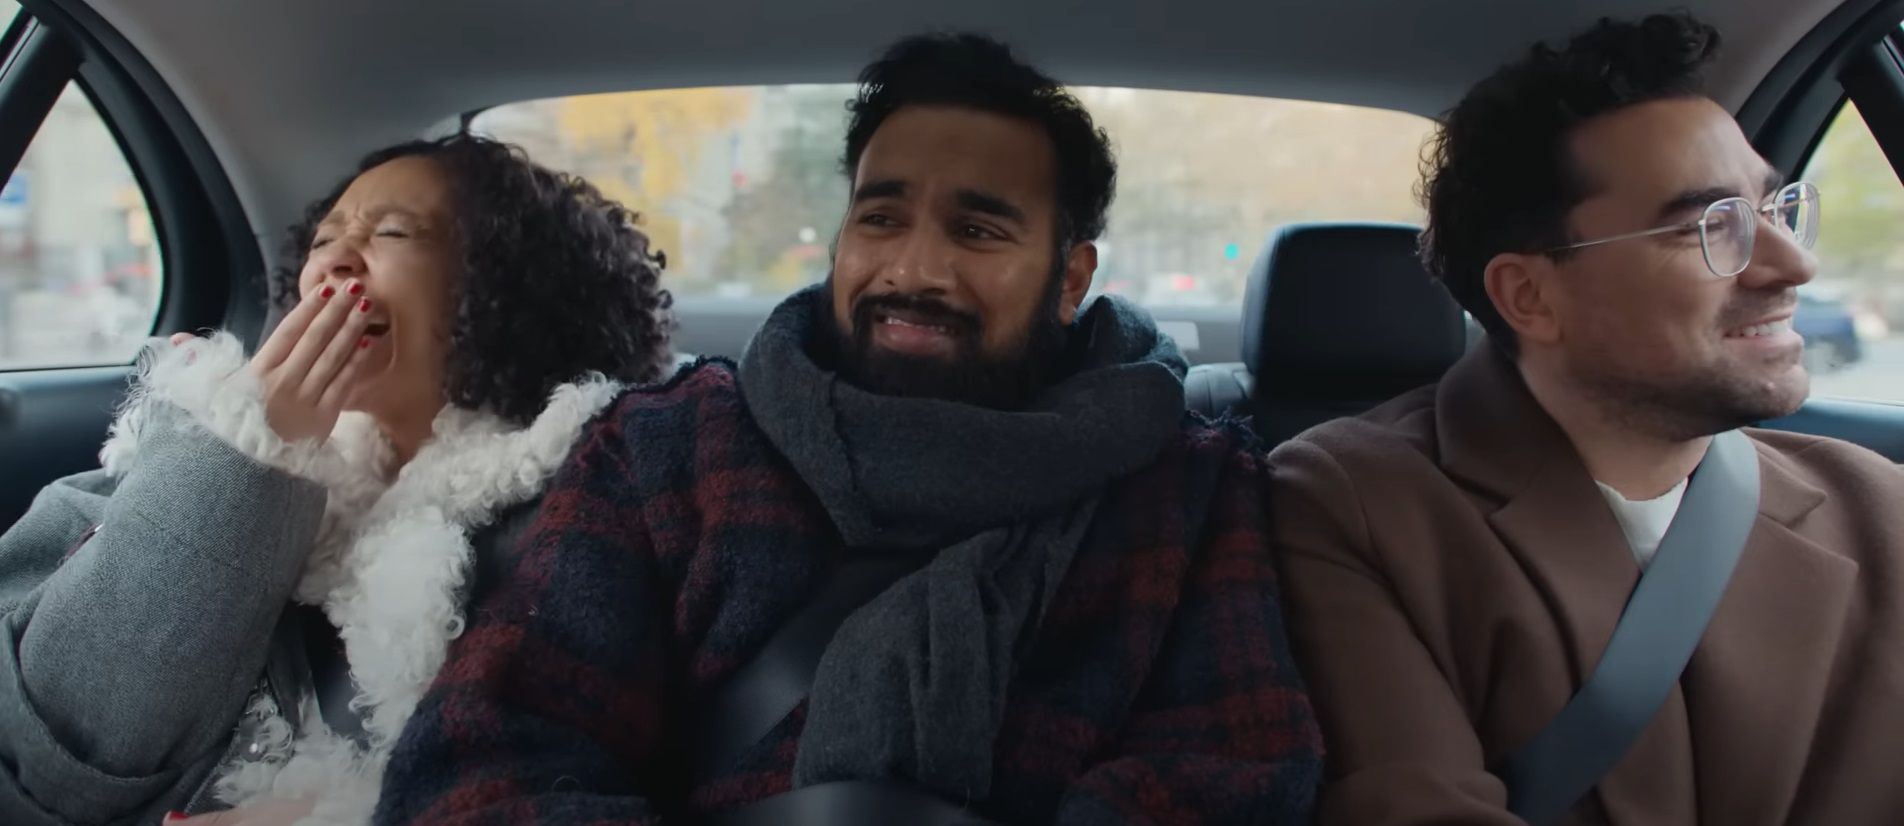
(642,148)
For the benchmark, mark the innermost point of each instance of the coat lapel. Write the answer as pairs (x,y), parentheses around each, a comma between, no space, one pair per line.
(1768,657)
(1551,517)
(1566,539)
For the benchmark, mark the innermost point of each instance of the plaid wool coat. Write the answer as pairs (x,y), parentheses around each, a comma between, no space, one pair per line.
(1159,687)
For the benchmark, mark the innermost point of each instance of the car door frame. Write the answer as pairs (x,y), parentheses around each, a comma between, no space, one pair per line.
(53,420)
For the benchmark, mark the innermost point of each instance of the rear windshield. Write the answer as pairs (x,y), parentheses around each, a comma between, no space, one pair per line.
(742,186)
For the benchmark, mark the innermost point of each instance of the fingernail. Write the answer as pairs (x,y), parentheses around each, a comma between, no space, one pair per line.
(356,288)
(173,817)
(363,343)
(327,292)
(364,305)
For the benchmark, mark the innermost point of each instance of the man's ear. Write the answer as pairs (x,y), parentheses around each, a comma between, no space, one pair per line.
(1525,291)
(1080,266)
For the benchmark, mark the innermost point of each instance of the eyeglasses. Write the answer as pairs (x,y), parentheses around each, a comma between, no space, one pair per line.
(1727,228)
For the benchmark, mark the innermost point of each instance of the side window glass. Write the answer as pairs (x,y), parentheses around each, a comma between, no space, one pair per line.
(79,261)
(1852,315)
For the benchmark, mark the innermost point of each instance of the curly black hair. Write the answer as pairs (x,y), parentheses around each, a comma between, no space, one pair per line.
(556,281)
(977,72)
(1497,176)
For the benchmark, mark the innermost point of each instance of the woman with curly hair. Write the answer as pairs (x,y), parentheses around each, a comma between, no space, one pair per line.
(239,611)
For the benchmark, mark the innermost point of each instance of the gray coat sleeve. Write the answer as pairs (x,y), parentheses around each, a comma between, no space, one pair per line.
(126,665)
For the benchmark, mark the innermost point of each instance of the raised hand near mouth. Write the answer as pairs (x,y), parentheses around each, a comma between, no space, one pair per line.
(308,364)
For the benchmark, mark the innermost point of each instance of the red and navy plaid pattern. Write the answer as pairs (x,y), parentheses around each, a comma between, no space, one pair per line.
(1159,688)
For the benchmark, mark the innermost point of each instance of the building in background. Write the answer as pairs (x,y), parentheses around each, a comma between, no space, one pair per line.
(79,263)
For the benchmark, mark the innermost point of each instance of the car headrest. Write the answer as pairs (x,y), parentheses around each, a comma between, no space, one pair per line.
(1345,312)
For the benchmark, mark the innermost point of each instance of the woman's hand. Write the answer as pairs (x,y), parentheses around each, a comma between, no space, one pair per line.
(272,813)
(309,363)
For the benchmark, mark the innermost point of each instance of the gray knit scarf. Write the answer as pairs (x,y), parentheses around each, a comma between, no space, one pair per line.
(912,686)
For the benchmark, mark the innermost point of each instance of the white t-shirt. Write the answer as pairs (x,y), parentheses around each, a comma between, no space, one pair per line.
(1645,522)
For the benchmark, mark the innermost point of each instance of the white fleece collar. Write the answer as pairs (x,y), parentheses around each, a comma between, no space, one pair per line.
(391,559)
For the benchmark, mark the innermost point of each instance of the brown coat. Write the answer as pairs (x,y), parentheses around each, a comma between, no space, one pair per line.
(1453,575)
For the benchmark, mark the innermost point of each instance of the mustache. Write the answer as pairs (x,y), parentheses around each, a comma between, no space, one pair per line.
(1750,308)
(923,308)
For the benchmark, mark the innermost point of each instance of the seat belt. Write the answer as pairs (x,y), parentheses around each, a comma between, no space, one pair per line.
(1655,637)
(328,668)
(743,710)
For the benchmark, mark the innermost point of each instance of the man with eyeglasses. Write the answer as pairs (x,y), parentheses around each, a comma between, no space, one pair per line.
(1496,623)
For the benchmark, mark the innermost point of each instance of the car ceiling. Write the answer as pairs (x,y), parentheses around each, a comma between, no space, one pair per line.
(290,92)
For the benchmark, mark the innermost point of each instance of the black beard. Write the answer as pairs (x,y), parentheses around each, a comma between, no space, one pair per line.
(969,376)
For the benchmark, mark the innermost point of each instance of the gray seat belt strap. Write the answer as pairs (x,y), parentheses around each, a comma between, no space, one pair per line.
(1655,637)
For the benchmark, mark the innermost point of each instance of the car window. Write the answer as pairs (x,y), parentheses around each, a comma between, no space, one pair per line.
(79,264)
(1852,315)
(742,186)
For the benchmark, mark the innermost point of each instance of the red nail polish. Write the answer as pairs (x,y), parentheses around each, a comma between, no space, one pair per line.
(364,305)
(174,817)
(363,343)
(357,288)
(327,292)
